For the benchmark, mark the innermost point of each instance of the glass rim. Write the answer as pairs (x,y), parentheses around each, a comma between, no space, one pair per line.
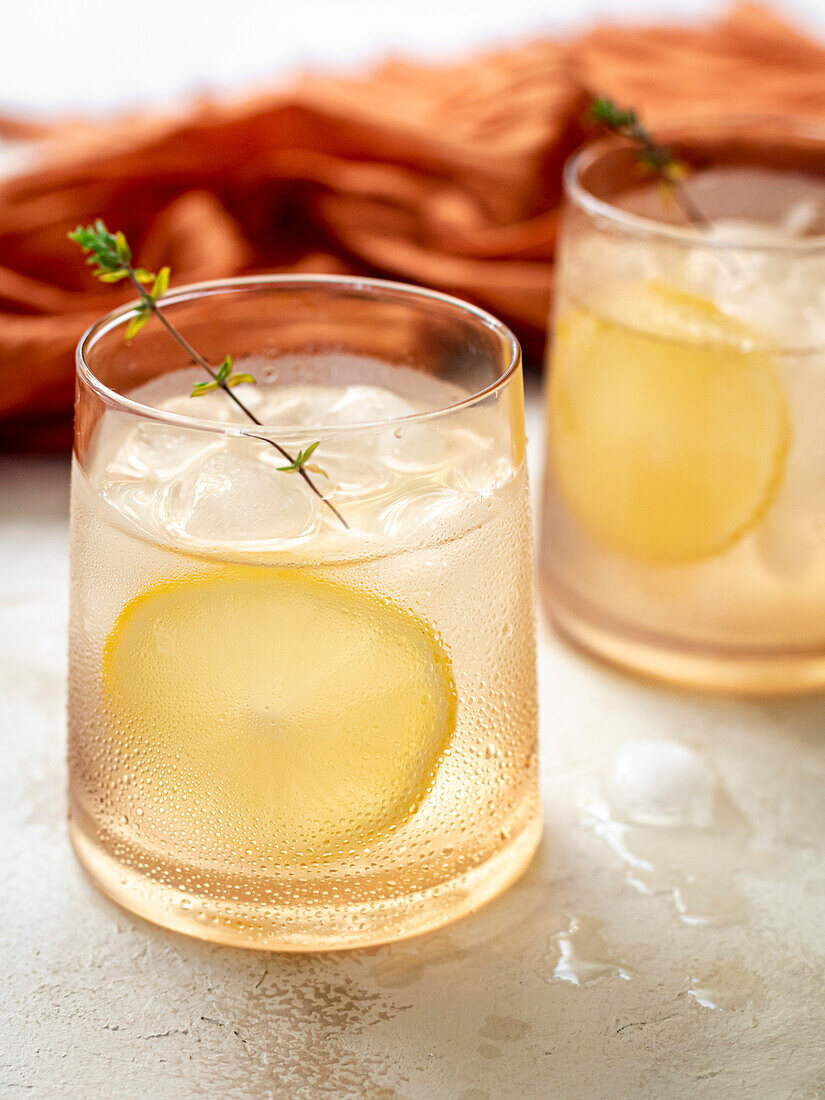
(638,225)
(511,351)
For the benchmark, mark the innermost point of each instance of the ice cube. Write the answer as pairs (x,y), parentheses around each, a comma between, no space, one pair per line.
(155,452)
(479,457)
(137,500)
(790,538)
(311,406)
(419,508)
(214,405)
(481,472)
(418,447)
(350,475)
(746,232)
(360,404)
(297,406)
(778,294)
(661,783)
(237,498)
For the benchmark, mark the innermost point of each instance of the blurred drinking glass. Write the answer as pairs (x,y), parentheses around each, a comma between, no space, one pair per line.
(684,505)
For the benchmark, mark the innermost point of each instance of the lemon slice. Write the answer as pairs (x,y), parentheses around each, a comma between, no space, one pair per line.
(668,438)
(277,713)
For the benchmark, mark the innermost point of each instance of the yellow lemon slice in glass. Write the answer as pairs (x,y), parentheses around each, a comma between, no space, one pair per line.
(280,714)
(668,430)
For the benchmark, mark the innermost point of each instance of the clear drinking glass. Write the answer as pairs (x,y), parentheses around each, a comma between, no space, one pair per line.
(284,732)
(684,508)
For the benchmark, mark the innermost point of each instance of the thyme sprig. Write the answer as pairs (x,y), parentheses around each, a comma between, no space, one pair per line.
(657,158)
(111,258)
(224,376)
(302,462)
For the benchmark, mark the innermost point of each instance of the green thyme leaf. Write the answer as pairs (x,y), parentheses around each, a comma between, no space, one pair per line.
(201,388)
(113,276)
(615,118)
(136,324)
(122,248)
(309,452)
(300,460)
(238,379)
(224,370)
(161,283)
(102,248)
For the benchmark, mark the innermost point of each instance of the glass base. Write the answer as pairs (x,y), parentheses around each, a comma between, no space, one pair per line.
(703,668)
(293,928)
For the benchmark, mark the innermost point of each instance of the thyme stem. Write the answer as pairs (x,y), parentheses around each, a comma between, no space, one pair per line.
(657,158)
(112,258)
(197,358)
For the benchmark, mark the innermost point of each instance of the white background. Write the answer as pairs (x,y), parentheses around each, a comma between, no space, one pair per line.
(70,55)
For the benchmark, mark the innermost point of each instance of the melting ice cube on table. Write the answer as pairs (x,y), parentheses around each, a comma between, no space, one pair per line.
(661,783)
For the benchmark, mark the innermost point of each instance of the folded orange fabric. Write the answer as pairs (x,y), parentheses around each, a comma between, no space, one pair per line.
(448,176)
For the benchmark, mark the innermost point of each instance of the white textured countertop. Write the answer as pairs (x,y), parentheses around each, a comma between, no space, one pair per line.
(699,952)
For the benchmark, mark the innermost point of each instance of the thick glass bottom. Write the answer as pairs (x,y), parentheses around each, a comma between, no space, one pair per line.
(318,927)
(703,668)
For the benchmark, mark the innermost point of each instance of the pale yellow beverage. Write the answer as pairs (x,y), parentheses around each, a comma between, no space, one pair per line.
(684,518)
(284,733)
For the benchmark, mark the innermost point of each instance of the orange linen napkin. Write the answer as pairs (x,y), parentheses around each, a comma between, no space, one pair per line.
(445,175)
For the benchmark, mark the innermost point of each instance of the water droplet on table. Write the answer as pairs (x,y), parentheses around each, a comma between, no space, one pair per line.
(728,987)
(580,954)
